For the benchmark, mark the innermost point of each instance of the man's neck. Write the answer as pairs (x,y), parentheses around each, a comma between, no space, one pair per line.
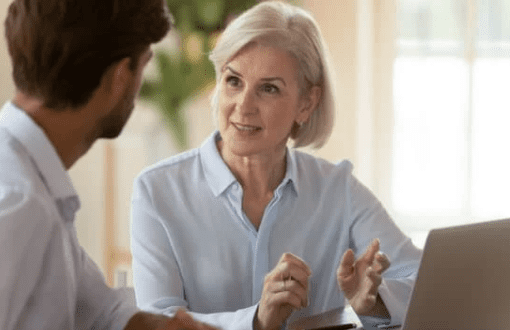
(66,128)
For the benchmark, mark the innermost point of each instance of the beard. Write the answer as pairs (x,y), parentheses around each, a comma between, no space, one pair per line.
(114,122)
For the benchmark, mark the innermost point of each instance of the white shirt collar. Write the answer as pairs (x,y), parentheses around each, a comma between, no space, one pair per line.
(33,138)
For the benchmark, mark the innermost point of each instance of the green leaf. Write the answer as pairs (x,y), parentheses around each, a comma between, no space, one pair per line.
(210,12)
(180,79)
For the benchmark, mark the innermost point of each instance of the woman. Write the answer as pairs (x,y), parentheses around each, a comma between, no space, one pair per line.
(247,232)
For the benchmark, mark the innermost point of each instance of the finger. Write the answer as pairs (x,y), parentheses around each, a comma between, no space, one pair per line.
(291,286)
(382,262)
(296,262)
(300,277)
(285,271)
(370,252)
(346,267)
(298,289)
(286,298)
(374,280)
(272,286)
(279,286)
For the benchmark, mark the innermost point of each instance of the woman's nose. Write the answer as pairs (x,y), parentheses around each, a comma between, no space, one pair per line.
(247,102)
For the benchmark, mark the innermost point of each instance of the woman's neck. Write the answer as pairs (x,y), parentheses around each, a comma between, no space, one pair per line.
(258,174)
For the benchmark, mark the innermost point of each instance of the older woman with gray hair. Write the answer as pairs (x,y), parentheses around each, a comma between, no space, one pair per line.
(249,232)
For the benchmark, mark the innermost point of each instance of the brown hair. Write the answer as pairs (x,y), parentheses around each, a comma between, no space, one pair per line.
(60,49)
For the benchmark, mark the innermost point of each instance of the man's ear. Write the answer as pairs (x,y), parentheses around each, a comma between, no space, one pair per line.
(117,78)
(309,104)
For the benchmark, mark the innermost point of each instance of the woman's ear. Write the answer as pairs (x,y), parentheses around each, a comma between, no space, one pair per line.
(309,104)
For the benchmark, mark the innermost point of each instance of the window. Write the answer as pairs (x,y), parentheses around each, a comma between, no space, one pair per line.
(451,144)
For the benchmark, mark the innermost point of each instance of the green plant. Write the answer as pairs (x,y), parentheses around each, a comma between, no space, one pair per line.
(187,72)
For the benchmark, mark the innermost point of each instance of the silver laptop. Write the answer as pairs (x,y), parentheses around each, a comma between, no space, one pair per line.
(464,279)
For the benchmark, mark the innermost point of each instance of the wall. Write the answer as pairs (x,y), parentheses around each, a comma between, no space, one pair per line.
(360,35)
(338,27)
(6,85)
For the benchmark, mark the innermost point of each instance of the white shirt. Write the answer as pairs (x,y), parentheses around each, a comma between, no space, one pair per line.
(47,281)
(193,245)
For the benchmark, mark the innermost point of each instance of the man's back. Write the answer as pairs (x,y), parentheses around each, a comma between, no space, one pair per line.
(44,269)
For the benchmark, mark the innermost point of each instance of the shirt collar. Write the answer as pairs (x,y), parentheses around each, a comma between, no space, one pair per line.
(219,176)
(42,151)
(292,170)
(217,173)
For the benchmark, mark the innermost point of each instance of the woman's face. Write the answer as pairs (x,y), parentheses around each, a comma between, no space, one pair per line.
(259,101)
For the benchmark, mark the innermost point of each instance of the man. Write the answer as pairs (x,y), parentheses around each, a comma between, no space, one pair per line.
(77,67)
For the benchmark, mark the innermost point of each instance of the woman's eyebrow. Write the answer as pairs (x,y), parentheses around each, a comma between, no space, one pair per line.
(233,71)
(268,79)
(275,78)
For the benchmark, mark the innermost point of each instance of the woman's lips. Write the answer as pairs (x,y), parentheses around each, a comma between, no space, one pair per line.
(246,128)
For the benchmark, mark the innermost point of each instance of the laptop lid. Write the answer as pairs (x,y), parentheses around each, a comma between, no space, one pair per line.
(464,279)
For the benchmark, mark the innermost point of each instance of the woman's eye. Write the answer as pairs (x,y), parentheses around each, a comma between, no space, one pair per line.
(233,81)
(270,89)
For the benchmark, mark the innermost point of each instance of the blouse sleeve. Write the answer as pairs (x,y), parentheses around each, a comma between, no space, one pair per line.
(156,273)
(369,221)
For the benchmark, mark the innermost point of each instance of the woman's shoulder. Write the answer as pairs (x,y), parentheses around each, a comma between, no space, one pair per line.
(324,167)
(172,164)
(184,162)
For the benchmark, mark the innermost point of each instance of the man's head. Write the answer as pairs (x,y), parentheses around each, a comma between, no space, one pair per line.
(60,49)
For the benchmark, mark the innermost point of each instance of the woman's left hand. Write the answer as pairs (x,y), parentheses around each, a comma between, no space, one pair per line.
(360,279)
(285,290)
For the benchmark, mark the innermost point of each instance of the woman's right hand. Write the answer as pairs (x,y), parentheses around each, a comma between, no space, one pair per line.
(285,290)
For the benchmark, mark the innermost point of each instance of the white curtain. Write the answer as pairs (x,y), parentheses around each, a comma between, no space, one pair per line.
(452,110)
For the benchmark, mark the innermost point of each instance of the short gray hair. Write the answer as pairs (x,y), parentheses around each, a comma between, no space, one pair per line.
(294,30)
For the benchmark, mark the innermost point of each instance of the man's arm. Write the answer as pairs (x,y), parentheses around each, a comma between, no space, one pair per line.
(26,240)
(181,320)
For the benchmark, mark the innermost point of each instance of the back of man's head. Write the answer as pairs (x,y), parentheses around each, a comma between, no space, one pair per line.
(60,49)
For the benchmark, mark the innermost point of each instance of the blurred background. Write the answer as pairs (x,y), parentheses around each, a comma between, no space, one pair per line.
(424,112)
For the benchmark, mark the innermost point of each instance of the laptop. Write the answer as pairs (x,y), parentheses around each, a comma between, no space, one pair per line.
(464,279)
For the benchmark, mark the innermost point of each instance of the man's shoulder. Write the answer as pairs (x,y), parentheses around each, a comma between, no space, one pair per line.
(20,185)
(14,161)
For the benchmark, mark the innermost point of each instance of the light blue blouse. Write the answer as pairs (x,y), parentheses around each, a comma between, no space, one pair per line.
(194,247)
